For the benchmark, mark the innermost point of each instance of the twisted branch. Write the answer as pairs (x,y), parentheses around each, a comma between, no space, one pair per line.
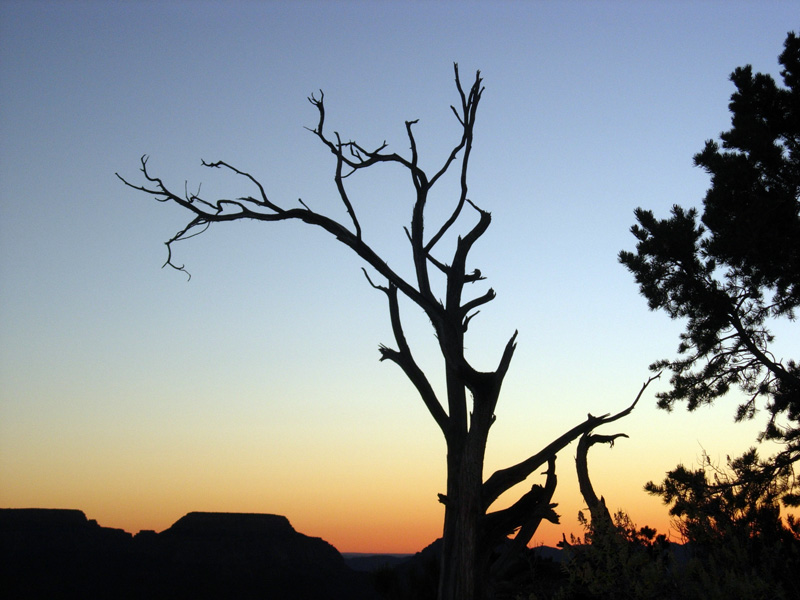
(504,479)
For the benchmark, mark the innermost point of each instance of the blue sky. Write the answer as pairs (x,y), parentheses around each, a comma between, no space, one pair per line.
(136,396)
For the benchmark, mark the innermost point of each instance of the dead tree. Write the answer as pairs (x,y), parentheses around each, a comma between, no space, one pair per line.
(598,511)
(470,531)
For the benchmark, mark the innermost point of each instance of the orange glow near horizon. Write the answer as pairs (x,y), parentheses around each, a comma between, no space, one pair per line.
(379,518)
(406,535)
(376,495)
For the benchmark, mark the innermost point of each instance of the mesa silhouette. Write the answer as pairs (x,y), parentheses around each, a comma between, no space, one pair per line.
(56,553)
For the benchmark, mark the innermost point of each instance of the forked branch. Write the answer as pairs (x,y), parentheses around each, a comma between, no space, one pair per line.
(469,108)
(403,358)
(262,209)
(525,516)
(504,479)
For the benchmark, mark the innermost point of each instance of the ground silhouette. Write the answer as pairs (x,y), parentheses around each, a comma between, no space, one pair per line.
(51,553)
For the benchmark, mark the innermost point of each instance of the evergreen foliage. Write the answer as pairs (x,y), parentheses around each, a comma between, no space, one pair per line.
(730,518)
(615,559)
(736,270)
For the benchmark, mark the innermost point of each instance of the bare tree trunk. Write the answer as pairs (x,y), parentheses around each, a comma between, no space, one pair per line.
(459,578)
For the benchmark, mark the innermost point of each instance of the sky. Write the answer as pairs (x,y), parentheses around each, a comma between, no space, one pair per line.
(137,396)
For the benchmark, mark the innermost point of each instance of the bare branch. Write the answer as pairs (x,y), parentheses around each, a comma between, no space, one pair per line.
(320,104)
(439,265)
(597,506)
(264,200)
(531,507)
(414,155)
(544,511)
(474,276)
(382,288)
(469,106)
(340,187)
(458,116)
(505,360)
(405,360)
(479,301)
(206,216)
(526,515)
(357,151)
(504,479)
(456,284)
(469,318)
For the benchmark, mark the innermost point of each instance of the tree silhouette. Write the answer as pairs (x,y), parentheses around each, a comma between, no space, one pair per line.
(470,533)
(738,270)
(730,517)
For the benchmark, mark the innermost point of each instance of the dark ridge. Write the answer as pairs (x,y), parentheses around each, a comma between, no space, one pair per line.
(231,524)
(48,553)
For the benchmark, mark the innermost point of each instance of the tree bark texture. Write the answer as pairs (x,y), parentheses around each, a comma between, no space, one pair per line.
(463,512)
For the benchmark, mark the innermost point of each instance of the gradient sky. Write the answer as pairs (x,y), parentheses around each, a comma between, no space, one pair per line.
(137,397)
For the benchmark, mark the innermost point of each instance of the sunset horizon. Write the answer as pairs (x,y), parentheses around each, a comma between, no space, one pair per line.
(263,383)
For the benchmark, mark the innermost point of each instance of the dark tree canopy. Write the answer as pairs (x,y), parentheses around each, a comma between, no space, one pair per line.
(738,269)
(731,518)
(751,209)
(713,502)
